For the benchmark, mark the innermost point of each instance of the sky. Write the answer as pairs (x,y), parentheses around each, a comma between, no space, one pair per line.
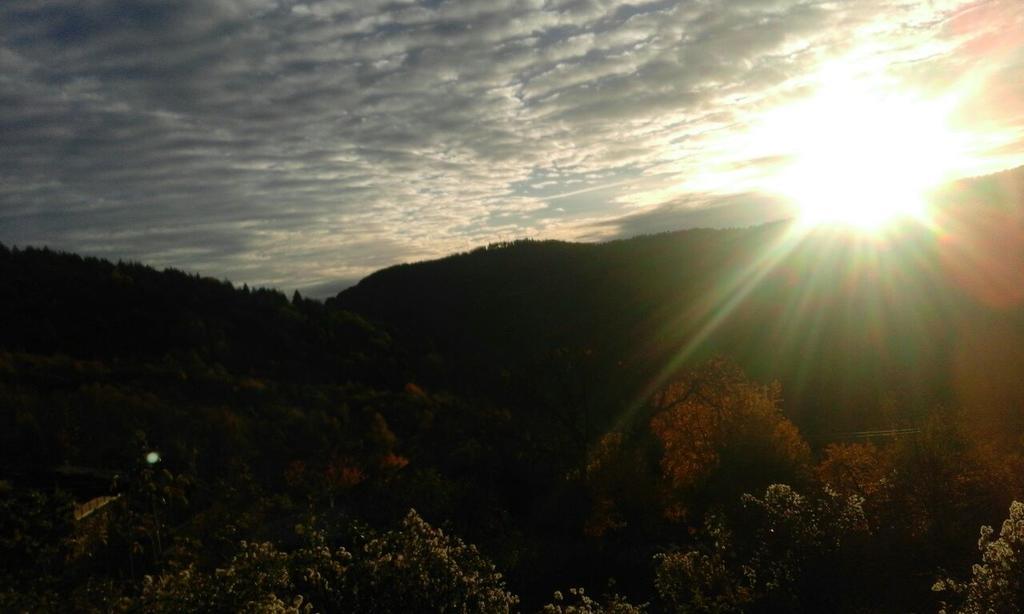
(304,144)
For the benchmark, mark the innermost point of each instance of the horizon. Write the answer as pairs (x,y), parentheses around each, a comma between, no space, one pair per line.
(798,233)
(326,291)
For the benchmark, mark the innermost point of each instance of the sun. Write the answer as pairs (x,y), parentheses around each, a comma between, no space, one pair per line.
(861,158)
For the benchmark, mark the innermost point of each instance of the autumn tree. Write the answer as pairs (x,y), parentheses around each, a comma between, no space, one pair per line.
(722,435)
(856,468)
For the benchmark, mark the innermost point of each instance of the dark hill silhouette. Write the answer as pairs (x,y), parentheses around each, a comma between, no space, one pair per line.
(94,309)
(850,325)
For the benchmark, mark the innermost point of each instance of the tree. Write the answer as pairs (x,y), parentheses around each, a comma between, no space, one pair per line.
(36,533)
(856,468)
(723,435)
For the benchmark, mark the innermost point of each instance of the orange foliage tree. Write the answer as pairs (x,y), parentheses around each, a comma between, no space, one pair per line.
(856,468)
(722,435)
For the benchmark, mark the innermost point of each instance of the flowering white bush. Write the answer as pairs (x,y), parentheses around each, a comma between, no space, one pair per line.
(793,545)
(997,583)
(696,581)
(416,568)
(256,580)
(419,568)
(579,602)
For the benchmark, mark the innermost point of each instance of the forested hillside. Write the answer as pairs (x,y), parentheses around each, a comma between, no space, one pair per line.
(862,332)
(758,419)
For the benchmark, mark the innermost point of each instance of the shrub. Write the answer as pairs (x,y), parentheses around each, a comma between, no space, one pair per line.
(997,583)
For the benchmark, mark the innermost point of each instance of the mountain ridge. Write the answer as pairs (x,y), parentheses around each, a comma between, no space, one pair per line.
(880,313)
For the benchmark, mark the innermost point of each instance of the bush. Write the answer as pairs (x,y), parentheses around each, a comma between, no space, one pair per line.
(579,602)
(415,568)
(419,568)
(791,546)
(997,583)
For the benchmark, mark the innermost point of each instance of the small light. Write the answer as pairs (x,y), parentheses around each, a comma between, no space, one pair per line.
(153,458)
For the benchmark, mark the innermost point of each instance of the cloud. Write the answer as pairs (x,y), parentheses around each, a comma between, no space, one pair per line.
(707,211)
(297,143)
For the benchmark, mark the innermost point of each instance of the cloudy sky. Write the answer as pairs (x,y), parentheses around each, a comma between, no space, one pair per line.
(306,144)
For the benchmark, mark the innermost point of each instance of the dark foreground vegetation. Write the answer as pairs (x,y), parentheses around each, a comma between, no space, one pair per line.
(701,421)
